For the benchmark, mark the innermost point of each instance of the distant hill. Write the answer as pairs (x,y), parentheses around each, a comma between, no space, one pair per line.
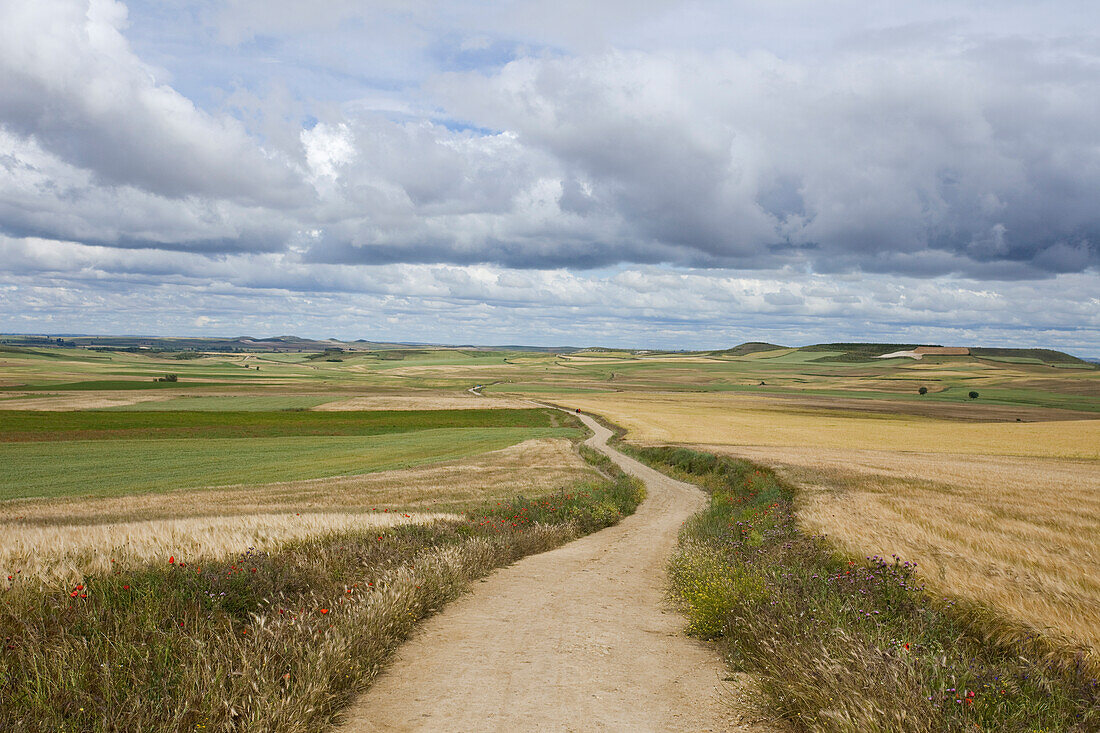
(749,347)
(852,352)
(170,344)
(1050,356)
(48,345)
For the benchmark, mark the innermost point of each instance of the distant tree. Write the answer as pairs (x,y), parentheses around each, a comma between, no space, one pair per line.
(973,395)
(922,390)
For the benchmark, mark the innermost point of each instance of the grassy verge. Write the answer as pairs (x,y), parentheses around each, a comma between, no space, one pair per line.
(276,642)
(844,645)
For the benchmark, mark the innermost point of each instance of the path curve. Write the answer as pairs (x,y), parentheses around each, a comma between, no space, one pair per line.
(576,639)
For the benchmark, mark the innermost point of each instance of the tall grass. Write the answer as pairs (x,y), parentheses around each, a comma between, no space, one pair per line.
(275,641)
(840,644)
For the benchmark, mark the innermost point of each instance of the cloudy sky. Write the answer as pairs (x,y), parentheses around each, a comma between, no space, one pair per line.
(651,174)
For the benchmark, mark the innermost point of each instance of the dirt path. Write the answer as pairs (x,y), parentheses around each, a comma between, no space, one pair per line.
(576,639)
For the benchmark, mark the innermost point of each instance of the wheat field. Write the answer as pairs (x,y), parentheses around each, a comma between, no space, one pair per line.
(730,419)
(1003,514)
(1020,535)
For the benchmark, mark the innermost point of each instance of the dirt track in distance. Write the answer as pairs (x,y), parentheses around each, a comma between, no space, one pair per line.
(576,639)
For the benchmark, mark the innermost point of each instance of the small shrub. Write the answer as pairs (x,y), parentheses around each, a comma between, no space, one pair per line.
(710,588)
(973,395)
(922,391)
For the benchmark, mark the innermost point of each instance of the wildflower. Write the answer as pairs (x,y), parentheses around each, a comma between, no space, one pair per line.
(125,587)
(172,560)
(324,610)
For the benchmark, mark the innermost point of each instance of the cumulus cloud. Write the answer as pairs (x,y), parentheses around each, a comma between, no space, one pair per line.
(692,162)
(69,79)
(966,157)
(701,307)
(919,152)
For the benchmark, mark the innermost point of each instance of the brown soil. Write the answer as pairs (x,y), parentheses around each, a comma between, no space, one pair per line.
(577,639)
(83,400)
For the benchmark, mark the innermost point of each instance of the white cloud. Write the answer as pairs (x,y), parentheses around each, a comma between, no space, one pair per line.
(69,80)
(641,306)
(699,169)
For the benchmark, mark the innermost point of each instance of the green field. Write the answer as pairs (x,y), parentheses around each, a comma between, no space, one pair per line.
(1032,378)
(32,425)
(117,467)
(99,385)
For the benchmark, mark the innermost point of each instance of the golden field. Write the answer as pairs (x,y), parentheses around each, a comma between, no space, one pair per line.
(1020,535)
(730,419)
(1004,514)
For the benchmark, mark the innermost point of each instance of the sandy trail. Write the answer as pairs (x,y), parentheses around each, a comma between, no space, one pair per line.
(576,639)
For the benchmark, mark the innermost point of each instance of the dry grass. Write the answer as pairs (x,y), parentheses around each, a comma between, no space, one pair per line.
(531,467)
(1003,514)
(151,655)
(848,645)
(67,538)
(1020,535)
(59,554)
(434,401)
(261,641)
(63,402)
(1024,540)
(708,419)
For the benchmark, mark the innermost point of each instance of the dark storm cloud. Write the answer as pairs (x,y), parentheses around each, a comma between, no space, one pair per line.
(981,157)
